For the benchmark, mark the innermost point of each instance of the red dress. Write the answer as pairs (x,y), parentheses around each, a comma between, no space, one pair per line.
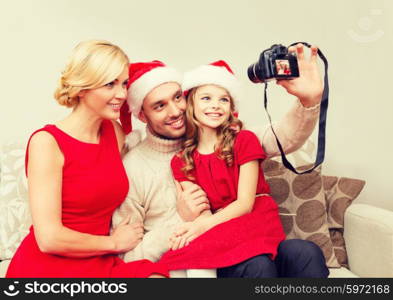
(238,239)
(94,184)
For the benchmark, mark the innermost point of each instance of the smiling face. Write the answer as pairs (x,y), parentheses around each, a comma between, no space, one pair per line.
(212,106)
(105,101)
(163,110)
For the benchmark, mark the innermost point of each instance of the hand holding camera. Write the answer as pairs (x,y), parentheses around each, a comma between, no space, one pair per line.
(298,75)
(301,78)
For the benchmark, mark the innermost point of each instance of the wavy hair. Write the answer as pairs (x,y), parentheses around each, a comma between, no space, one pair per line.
(226,134)
(92,64)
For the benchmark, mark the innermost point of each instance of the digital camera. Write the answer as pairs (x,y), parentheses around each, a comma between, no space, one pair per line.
(274,63)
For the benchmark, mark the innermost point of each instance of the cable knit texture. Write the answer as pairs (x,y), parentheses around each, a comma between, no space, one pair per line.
(151,198)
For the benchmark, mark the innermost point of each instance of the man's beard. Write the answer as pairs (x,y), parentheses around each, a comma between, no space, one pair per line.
(164,137)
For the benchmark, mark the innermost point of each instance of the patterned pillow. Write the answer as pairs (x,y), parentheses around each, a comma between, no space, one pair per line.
(339,193)
(302,205)
(15,218)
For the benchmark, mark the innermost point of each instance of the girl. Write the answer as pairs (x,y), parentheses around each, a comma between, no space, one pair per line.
(76,177)
(225,161)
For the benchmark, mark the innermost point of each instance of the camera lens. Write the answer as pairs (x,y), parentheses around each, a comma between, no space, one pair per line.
(252,73)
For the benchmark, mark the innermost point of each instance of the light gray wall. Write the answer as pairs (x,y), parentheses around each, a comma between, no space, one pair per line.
(356,36)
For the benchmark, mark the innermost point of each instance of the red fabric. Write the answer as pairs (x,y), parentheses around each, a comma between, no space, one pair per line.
(238,239)
(222,64)
(94,184)
(125,118)
(137,70)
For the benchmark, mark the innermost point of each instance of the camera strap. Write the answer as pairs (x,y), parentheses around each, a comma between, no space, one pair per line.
(322,120)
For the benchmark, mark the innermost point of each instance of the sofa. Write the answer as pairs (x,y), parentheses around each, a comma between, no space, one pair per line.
(356,238)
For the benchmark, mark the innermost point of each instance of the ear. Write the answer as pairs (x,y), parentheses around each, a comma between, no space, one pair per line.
(82,93)
(142,117)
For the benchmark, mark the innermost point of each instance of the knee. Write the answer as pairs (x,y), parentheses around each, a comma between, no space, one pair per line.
(301,258)
(260,266)
(296,247)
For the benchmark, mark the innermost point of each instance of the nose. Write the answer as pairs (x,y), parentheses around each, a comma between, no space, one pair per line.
(121,92)
(174,109)
(214,104)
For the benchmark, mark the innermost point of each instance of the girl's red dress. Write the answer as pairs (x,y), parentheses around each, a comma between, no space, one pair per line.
(238,239)
(94,184)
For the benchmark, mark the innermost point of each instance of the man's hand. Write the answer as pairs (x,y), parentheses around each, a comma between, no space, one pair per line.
(308,87)
(126,235)
(191,201)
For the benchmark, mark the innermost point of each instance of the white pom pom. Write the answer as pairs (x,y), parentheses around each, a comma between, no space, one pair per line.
(133,138)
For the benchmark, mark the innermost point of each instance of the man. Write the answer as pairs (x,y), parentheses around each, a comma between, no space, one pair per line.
(155,97)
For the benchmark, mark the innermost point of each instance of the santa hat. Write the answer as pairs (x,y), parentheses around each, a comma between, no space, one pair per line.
(218,73)
(143,78)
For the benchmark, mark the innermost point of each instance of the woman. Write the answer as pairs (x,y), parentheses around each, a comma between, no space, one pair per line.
(76,178)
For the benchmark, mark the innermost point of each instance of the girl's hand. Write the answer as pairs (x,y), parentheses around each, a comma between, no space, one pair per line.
(308,87)
(126,236)
(188,232)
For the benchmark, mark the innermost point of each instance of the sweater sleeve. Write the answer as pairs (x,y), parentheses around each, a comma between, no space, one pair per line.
(292,130)
(133,205)
(143,197)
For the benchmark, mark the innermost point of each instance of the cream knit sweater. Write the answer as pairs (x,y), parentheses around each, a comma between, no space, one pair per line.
(152,194)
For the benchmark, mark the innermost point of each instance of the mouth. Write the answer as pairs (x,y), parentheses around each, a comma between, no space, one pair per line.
(176,124)
(214,115)
(115,106)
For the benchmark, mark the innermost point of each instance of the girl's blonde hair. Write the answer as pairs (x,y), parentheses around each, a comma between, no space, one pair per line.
(226,136)
(92,64)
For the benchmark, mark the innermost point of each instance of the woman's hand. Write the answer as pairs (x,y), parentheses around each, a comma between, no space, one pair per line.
(188,232)
(308,87)
(127,236)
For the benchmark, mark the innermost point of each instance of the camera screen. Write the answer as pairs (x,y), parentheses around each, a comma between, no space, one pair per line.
(282,67)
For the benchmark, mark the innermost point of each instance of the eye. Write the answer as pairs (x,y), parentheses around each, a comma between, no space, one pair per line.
(206,98)
(159,106)
(125,83)
(110,84)
(225,100)
(179,97)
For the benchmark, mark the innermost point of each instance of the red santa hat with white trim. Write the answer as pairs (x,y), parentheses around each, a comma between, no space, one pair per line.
(143,78)
(217,73)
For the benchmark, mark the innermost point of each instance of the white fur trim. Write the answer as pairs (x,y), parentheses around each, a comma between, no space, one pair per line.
(208,74)
(147,82)
(133,138)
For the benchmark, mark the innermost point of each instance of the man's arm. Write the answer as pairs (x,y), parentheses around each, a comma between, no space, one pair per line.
(191,201)
(131,208)
(292,130)
(145,194)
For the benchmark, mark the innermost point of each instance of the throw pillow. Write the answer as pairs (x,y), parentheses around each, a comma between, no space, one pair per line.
(302,205)
(340,193)
(15,217)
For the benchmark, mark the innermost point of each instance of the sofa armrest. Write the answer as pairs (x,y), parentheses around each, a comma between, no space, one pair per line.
(368,234)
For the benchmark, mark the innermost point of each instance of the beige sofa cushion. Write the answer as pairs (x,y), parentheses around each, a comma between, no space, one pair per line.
(15,217)
(341,273)
(3,267)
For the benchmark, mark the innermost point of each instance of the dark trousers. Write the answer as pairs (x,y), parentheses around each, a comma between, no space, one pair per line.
(295,258)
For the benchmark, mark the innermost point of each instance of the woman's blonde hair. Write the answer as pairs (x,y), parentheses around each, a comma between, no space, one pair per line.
(226,136)
(92,64)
